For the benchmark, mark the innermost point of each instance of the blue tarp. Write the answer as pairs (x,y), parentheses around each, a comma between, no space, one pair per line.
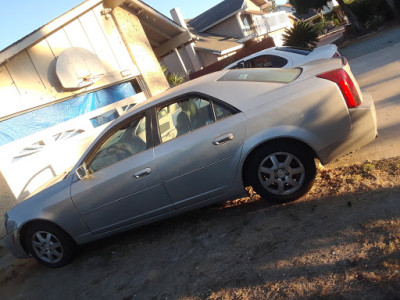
(40,119)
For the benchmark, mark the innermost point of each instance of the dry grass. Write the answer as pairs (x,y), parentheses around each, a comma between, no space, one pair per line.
(340,241)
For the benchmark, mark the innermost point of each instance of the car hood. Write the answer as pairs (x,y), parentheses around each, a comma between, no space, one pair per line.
(49,183)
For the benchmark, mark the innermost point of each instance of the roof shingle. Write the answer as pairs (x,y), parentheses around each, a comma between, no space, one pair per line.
(215,14)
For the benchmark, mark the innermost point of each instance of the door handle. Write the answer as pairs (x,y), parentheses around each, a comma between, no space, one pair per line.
(222,139)
(142,173)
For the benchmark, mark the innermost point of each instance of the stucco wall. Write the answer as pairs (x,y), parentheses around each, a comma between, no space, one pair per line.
(207,58)
(173,64)
(229,27)
(140,50)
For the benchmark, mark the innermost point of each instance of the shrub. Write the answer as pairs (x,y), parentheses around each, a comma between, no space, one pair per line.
(172,78)
(175,79)
(375,22)
(324,27)
(368,9)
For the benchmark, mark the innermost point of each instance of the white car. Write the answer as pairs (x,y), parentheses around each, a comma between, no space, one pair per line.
(284,57)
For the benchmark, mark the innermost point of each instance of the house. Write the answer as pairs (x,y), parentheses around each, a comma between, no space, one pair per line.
(307,16)
(63,83)
(225,29)
(287,7)
(312,14)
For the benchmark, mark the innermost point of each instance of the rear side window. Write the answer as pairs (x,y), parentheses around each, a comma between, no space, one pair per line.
(267,61)
(188,114)
(296,50)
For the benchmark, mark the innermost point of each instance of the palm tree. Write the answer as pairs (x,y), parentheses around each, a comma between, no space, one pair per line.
(300,35)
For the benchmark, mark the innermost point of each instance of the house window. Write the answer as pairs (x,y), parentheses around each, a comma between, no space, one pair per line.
(247,24)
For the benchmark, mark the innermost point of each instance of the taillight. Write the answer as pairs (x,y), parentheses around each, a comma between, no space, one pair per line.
(346,85)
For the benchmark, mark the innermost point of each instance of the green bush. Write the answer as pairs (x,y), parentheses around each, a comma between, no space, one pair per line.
(375,22)
(172,78)
(323,27)
(337,22)
(175,79)
(300,35)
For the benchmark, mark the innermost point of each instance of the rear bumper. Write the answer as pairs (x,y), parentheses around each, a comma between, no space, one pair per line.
(363,131)
(13,244)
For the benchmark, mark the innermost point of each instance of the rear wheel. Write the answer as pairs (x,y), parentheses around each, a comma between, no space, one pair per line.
(281,171)
(49,245)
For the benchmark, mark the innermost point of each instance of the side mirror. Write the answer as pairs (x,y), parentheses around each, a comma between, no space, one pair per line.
(81,172)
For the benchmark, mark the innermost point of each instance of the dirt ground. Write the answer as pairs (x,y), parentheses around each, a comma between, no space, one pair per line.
(341,240)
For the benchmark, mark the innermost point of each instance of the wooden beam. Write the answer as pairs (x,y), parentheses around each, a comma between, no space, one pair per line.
(152,11)
(112,3)
(182,63)
(173,43)
(154,28)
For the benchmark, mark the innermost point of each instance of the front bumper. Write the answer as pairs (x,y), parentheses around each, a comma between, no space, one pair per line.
(13,243)
(363,131)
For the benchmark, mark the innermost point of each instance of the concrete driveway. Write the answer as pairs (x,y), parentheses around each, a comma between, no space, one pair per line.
(376,64)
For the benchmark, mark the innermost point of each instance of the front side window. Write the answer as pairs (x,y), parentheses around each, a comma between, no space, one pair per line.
(125,141)
(188,114)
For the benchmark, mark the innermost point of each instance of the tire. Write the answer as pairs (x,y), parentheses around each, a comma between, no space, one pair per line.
(281,171)
(49,245)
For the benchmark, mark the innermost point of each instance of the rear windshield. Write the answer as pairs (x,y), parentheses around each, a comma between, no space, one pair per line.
(262,75)
(296,50)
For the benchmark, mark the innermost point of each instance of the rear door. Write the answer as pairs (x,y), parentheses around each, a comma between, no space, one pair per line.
(200,147)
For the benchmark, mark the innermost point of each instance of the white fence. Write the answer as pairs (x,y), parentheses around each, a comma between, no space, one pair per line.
(268,23)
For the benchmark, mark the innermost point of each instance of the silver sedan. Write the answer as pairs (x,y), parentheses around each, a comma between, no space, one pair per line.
(194,145)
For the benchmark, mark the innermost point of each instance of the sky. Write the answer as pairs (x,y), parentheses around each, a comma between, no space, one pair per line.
(19,18)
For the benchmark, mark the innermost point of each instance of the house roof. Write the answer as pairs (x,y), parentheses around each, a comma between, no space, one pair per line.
(219,45)
(158,27)
(216,14)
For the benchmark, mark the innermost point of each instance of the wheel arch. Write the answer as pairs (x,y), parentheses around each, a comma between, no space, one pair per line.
(288,140)
(30,223)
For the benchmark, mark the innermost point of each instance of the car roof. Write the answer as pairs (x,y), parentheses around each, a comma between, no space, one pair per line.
(230,89)
(234,90)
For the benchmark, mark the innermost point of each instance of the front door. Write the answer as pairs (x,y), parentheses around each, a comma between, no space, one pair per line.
(123,185)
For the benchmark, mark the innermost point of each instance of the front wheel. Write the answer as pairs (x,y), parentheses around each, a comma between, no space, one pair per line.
(49,245)
(281,172)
